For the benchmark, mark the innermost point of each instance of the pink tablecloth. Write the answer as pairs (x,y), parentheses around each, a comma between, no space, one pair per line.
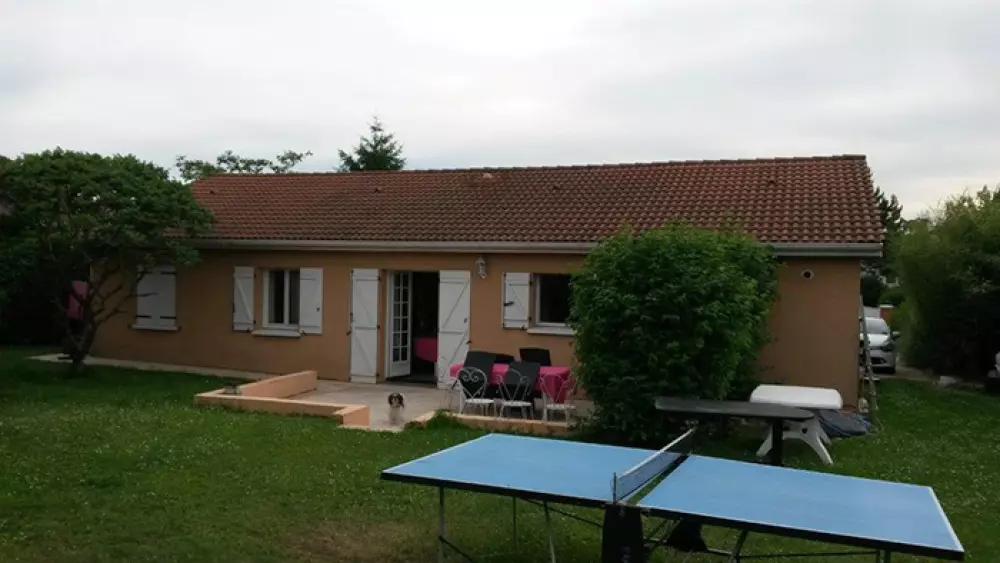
(556,377)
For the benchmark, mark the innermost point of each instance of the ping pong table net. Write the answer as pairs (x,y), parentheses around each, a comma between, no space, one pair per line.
(624,486)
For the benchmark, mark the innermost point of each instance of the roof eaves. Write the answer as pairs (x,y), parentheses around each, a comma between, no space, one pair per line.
(397,246)
(827,250)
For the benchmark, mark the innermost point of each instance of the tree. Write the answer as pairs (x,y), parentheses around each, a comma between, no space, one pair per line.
(676,311)
(891,212)
(949,270)
(378,151)
(872,289)
(109,217)
(231,163)
(875,273)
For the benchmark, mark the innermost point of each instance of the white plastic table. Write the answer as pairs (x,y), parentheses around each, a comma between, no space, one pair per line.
(810,432)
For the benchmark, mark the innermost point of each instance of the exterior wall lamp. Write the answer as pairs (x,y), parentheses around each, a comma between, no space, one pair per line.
(481,267)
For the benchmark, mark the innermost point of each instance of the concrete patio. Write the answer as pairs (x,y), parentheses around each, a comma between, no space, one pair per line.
(420,399)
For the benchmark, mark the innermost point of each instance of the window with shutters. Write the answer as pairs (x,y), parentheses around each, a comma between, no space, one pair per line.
(156,299)
(281,298)
(552,299)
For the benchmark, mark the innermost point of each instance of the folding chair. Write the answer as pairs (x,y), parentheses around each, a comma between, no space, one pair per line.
(557,395)
(517,388)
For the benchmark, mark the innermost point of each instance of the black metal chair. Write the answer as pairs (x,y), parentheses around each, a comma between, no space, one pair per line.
(539,356)
(482,361)
(504,358)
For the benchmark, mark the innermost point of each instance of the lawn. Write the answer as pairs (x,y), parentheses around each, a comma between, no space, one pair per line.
(120,466)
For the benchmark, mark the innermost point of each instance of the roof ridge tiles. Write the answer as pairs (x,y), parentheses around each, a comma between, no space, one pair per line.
(610,165)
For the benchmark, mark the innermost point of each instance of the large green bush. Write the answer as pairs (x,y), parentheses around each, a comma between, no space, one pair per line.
(676,311)
(949,269)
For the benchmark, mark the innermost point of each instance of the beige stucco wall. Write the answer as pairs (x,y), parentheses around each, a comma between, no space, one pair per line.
(204,313)
(814,323)
(814,327)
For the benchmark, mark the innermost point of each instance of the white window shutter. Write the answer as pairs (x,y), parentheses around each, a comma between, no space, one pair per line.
(516,297)
(166,305)
(243,298)
(145,299)
(311,300)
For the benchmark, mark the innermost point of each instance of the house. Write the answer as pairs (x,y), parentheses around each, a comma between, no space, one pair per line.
(365,276)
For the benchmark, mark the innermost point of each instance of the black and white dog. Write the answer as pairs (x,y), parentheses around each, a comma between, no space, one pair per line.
(397,406)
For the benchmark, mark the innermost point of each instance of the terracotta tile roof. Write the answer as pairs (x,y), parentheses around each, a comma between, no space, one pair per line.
(806,200)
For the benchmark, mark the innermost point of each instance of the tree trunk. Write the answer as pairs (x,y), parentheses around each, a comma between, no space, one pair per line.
(80,338)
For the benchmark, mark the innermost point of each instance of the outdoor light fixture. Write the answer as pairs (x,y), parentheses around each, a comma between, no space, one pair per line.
(481,267)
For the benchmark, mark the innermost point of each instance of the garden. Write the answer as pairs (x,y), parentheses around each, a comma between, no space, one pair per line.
(121,466)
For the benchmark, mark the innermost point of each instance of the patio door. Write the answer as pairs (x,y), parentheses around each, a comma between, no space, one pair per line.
(454,305)
(400,323)
(364,325)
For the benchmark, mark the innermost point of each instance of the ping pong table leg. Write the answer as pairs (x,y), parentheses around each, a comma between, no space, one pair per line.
(548,527)
(734,555)
(513,509)
(441,527)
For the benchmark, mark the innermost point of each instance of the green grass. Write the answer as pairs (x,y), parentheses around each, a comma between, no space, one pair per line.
(120,466)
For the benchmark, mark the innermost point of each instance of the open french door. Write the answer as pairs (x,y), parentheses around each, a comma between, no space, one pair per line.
(400,312)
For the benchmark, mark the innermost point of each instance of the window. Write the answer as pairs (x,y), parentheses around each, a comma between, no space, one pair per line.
(281,298)
(156,299)
(552,299)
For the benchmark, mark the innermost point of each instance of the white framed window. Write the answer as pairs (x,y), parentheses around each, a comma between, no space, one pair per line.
(281,298)
(156,299)
(552,299)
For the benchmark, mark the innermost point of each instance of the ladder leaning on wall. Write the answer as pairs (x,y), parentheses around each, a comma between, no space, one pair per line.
(868,398)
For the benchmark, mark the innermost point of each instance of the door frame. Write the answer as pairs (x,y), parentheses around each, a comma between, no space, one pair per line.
(390,302)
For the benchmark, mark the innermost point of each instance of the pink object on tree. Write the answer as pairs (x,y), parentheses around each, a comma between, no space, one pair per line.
(78,291)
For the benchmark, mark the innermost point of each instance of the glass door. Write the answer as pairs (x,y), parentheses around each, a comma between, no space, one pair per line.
(401,309)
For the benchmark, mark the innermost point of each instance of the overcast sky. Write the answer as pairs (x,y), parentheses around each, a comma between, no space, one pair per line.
(914,85)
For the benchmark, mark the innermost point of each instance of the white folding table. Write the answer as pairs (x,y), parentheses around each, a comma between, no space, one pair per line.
(810,432)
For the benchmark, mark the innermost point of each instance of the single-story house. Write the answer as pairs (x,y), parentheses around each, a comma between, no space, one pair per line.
(366,276)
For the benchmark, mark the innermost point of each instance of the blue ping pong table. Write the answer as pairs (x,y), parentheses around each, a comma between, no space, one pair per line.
(684,491)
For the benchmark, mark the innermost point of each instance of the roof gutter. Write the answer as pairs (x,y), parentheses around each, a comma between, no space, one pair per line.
(827,250)
(783,250)
(398,246)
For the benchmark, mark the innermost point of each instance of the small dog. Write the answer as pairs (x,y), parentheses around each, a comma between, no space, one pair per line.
(397,408)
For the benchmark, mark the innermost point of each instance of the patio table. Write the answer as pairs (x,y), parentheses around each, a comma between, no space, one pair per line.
(812,398)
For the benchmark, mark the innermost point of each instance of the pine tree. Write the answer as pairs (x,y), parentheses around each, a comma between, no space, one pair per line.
(378,151)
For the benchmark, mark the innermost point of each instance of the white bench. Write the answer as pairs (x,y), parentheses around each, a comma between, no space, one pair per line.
(813,398)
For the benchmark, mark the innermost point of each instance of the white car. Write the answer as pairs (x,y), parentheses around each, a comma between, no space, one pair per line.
(882,344)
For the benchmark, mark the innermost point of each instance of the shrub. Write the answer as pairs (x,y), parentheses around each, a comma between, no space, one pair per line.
(676,311)
(872,289)
(893,296)
(949,269)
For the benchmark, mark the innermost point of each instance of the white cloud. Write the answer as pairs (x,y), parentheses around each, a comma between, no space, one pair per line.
(912,85)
